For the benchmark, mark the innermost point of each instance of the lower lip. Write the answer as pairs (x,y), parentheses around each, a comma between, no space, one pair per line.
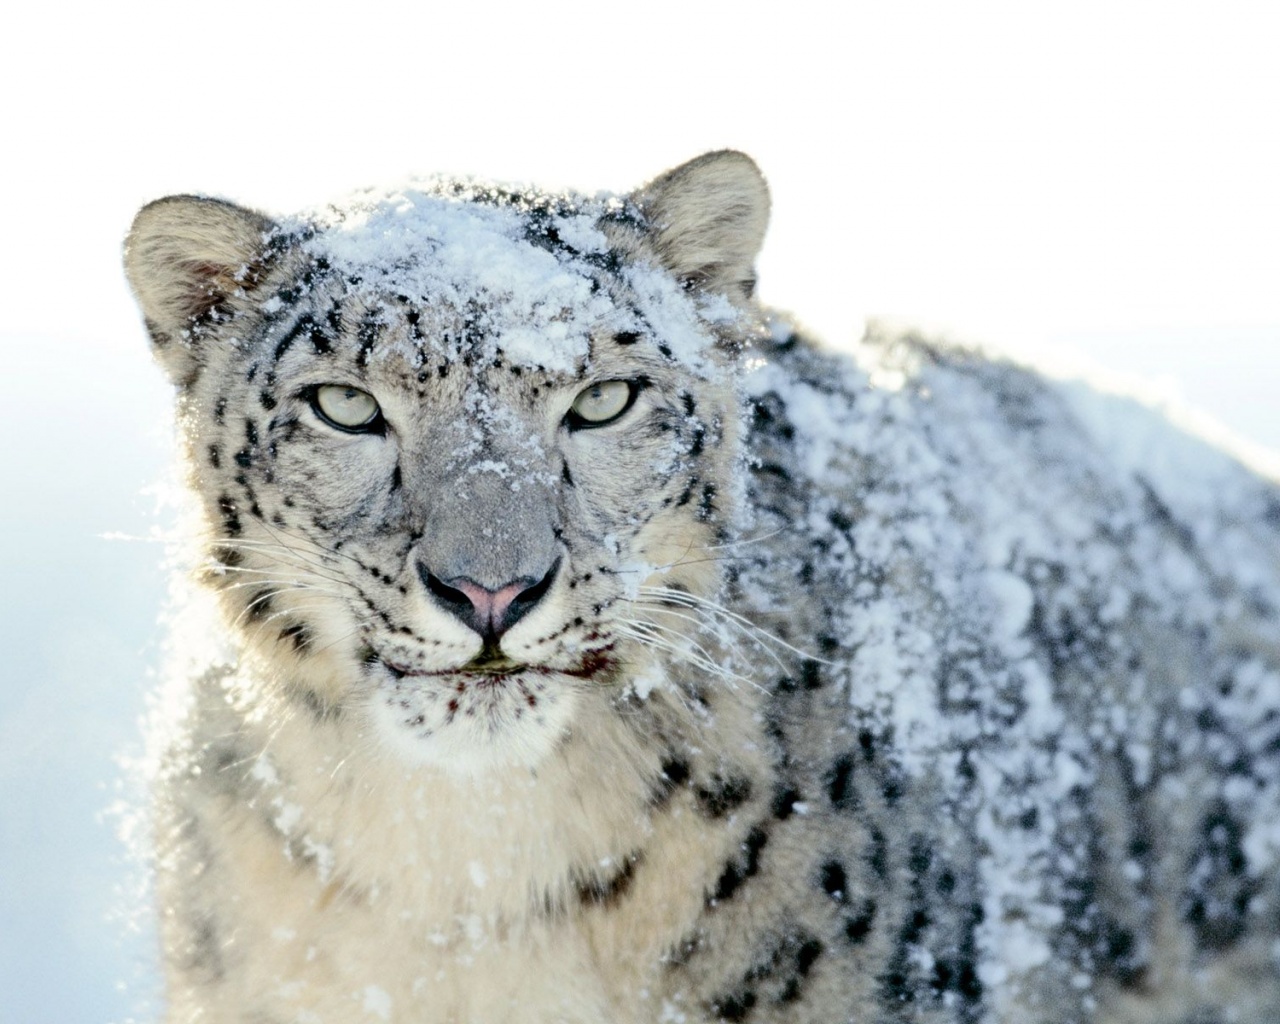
(598,661)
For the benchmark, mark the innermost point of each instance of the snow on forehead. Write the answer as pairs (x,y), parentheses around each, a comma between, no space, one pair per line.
(468,253)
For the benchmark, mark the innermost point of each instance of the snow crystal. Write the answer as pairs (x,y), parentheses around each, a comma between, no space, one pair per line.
(264,771)
(376,1001)
(287,815)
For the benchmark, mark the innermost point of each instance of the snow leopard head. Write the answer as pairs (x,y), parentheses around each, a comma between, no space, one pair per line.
(452,441)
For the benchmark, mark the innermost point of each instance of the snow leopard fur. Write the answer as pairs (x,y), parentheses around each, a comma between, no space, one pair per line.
(603,651)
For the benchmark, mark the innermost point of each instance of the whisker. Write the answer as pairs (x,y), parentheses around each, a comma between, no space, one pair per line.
(643,632)
(693,600)
(759,539)
(745,631)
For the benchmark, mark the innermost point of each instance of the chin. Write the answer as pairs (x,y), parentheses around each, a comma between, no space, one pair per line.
(470,723)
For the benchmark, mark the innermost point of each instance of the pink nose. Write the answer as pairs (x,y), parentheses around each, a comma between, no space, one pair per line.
(489,612)
(490,606)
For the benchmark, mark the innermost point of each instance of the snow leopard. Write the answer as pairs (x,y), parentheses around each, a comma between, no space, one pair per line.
(598,648)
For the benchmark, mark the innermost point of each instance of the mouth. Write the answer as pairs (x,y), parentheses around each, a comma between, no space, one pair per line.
(489,670)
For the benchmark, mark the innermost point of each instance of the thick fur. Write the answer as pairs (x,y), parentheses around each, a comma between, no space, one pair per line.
(837,692)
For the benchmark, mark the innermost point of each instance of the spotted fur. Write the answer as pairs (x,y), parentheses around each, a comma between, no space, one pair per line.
(797,691)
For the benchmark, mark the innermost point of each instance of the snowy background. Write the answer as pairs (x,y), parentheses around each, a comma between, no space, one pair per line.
(1093,181)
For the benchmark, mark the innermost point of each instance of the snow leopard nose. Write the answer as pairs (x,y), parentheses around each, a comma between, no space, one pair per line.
(489,612)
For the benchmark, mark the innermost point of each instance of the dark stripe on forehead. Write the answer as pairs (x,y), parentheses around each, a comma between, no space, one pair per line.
(307,327)
(367,334)
(304,325)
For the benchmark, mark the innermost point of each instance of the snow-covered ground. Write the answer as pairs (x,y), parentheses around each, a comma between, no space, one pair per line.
(1100,181)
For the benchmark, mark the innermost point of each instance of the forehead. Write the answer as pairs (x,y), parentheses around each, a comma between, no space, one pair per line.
(524,277)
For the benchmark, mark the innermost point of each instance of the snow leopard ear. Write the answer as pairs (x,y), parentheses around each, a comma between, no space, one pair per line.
(188,259)
(707,220)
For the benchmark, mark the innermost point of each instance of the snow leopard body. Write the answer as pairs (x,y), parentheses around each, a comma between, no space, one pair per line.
(601,650)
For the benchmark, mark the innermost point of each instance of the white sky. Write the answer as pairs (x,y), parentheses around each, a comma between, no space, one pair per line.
(1072,171)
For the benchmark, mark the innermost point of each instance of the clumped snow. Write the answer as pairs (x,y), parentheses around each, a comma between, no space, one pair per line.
(1042,579)
(517,271)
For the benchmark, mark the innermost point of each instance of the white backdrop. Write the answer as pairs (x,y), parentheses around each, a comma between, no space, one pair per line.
(1095,178)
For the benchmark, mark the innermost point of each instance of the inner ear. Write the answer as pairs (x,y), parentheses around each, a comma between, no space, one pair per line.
(707,220)
(187,258)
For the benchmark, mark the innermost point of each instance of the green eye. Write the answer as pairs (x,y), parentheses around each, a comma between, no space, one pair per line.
(347,408)
(601,403)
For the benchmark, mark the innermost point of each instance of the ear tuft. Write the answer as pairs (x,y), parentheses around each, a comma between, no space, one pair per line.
(708,219)
(186,257)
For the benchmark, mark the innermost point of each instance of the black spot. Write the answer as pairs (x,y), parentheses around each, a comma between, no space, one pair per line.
(203,956)
(566,476)
(321,710)
(1219,891)
(396,480)
(259,606)
(858,925)
(675,772)
(735,1007)
(300,635)
(609,892)
(957,972)
(267,399)
(230,516)
(840,783)
(1122,954)
(735,873)
(707,503)
(781,969)
(784,802)
(835,881)
(215,456)
(722,795)
(895,982)
(840,521)
(243,458)
(626,337)
(808,955)
(367,335)
(334,319)
(953,975)
(810,676)
(878,854)
(251,433)
(227,556)
(219,410)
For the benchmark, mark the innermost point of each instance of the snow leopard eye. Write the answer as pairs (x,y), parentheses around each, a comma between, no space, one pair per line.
(601,403)
(347,408)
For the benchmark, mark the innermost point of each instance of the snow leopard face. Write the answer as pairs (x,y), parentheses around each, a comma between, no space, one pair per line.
(457,446)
